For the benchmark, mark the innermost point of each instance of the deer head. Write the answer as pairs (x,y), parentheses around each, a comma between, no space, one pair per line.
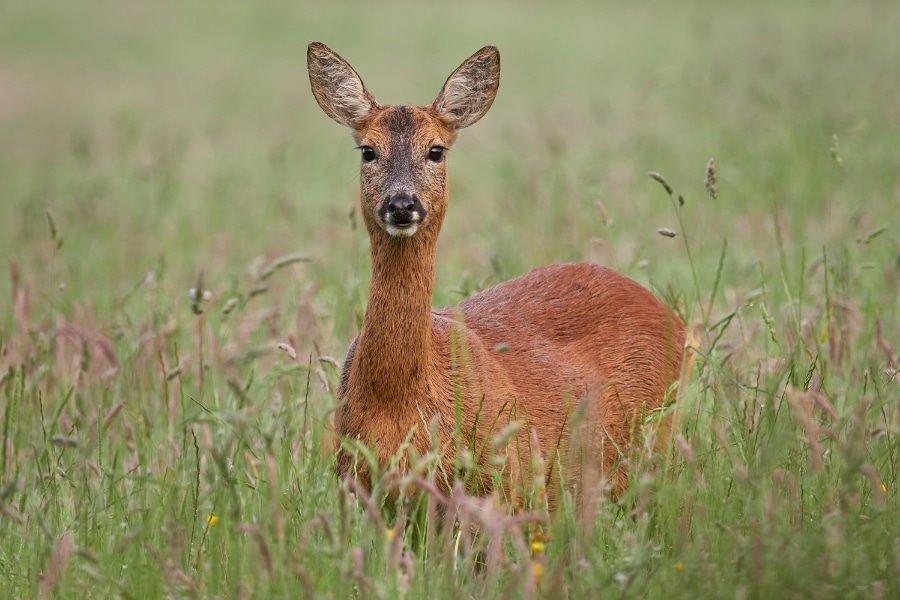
(403,171)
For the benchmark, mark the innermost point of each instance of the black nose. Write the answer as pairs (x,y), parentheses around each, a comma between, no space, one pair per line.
(401,203)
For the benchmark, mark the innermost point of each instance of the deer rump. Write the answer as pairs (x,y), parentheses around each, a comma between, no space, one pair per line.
(578,353)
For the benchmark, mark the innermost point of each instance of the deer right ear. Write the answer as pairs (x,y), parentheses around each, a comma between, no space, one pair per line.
(337,88)
(470,90)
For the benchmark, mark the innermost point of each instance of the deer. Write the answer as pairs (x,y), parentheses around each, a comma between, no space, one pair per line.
(560,341)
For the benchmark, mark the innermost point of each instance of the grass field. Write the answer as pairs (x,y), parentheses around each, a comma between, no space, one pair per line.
(160,444)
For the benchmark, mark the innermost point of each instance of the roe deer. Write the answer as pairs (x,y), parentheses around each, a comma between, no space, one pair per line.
(559,340)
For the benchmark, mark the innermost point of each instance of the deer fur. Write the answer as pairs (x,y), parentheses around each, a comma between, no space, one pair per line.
(560,342)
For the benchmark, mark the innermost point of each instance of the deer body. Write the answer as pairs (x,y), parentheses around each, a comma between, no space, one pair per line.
(559,340)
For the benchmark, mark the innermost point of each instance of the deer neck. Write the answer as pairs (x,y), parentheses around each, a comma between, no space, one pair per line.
(393,353)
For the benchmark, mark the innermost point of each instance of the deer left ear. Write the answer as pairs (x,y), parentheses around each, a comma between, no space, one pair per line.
(470,90)
(338,89)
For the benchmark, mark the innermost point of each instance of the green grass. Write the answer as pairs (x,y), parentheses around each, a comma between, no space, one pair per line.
(142,145)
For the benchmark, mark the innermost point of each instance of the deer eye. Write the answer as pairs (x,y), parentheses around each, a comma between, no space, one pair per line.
(368,153)
(436,153)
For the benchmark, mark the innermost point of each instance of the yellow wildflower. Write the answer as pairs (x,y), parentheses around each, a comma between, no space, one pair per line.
(538,570)
(679,566)
(212,520)
(883,488)
(537,547)
(390,533)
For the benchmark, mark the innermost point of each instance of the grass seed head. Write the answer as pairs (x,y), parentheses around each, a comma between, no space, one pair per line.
(836,151)
(710,181)
(229,305)
(662,181)
(601,209)
(287,348)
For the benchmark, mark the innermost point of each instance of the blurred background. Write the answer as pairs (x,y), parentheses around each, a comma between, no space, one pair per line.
(167,138)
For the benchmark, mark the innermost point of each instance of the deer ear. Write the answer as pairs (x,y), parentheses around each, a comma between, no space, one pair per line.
(469,92)
(337,88)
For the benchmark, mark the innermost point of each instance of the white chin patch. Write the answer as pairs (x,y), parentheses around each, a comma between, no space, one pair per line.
(407,231)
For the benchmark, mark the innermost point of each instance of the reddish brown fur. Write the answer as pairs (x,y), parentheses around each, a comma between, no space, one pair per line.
(558,341)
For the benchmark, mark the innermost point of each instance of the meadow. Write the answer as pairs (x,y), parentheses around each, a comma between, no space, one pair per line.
(185,268)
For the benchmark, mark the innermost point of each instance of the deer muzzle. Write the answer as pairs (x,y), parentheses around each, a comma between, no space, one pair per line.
(401,214)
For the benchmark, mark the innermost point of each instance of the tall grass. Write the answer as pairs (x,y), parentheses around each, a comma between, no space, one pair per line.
(185,271)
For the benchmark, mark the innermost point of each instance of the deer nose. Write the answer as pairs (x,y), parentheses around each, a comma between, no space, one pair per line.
(401,214)
(401,203)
